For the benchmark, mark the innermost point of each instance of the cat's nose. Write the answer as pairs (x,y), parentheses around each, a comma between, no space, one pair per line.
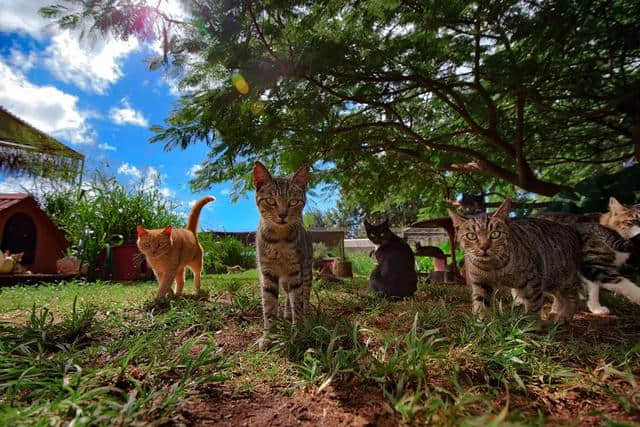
(282,215)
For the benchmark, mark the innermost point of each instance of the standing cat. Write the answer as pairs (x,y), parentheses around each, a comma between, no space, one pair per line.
(529,255)
(284,252)
(606,247)
(169,251)
(395,274)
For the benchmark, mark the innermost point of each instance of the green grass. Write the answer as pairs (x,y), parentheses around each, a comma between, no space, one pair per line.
(105,353)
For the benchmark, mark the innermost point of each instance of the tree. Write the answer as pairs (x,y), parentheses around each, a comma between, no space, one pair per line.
(398,98)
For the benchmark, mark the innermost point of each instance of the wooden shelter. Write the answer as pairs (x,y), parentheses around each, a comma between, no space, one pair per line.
(24,227)
(27,150)
(447,224)
(331,237)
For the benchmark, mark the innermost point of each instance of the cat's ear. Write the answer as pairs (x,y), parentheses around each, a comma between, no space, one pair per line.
(141,231)
(503,210)
(167,230)
(615,205)
(261,175)
(457,219)
(301,177)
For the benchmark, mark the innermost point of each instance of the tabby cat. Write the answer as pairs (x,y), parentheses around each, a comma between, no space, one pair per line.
(284,252)
(169,251)
(606,247)
(395,273)
(529,255)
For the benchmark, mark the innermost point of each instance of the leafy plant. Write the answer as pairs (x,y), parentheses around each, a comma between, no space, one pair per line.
(106,208)
(225,251)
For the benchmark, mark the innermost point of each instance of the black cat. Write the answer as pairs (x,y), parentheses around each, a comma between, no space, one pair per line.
(395,275)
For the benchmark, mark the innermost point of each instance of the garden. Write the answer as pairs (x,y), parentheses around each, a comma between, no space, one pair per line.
(516,122)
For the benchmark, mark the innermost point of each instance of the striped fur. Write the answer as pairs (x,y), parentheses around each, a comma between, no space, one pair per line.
(284,251)
(606,247)
(529,255)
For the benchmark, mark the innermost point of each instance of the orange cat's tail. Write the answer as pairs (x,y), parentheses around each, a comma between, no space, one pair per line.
(192,225)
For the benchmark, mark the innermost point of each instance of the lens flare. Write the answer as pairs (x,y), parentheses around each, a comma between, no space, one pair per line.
(240,84)
(257,107)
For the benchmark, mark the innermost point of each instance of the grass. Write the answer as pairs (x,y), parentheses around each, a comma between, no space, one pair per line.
(104,353)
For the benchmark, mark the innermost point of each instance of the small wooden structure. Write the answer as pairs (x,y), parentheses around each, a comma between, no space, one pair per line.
(24,227)
(331,237)
(439,256)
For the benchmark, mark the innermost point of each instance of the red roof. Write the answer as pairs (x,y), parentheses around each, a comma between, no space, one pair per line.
(8,200)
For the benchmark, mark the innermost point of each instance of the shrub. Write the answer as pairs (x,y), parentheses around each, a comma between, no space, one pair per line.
(225,251)
(104,209)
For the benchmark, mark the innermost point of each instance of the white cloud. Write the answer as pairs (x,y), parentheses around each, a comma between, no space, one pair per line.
(127,115)
(107,147)
(89,66)
(22,60)
(225,191)
(149,180)
(38,187)
(194,170)
(45,107)
(127,169)
(22,17)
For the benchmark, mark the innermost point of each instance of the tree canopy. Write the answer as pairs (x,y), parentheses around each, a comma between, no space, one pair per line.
(396,100)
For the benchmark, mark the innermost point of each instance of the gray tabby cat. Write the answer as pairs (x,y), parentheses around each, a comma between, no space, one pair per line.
(606,246)
(528,255)
(284,252)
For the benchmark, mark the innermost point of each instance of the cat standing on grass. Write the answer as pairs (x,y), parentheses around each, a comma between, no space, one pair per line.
(283,246)
(529,255)
(169,251)
(605,248)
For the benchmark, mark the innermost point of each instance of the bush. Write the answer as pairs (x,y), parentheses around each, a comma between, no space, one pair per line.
(362,263)
(225,251)
(106,208)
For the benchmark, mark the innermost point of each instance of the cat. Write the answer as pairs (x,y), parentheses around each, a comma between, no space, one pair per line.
(395,272)
(169,251)
(529,255)
(235,269)
(283,246)
(607,245)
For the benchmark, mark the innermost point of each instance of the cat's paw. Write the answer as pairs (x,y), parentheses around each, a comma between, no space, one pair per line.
(600,310)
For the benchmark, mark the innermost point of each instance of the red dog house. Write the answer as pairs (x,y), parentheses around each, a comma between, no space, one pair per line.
(24,227)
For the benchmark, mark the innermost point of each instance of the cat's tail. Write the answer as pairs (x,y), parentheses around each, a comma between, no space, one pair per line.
(192,225)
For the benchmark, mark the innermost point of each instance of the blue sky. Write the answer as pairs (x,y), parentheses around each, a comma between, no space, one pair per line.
(98,97)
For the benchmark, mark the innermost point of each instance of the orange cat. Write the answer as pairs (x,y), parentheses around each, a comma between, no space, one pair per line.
(169,251)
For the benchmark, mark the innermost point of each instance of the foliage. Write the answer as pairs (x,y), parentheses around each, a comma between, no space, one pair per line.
(361,263)
(449,96)
(223,252)
(592,194)
(106,208)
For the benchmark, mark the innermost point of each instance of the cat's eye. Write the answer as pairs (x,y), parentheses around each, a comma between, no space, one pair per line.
(495,234)
(271,201)
(471,236)
(293,203)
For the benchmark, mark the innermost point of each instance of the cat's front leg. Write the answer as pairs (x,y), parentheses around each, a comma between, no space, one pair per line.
(481,299)
(165,280)
(269,290)
(593,297)
(295,292)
